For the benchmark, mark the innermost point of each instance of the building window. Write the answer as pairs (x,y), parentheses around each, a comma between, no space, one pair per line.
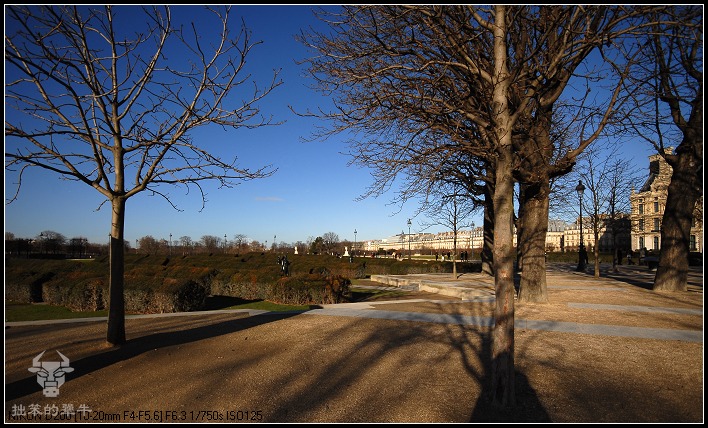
(641,208)
(656,242)
(641,242)
(641,224)
(656,206)
(656,225)
(692,244)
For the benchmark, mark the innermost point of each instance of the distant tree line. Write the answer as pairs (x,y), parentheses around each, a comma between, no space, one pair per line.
(51,244)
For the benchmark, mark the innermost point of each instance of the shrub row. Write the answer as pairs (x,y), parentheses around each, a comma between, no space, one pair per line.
(157,284)
(310,289)
(92,295)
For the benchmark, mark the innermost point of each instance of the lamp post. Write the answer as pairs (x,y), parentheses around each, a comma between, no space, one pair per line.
(354,249)
(581,249)
(409,239)
(170,244)
(224,243)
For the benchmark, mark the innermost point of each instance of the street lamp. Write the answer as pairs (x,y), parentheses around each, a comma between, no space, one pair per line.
(409,239)
(354,250)
(582,254)
(170,244)
(224,243)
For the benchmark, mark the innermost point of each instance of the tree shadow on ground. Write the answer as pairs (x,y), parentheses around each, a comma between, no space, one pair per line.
(527,408)
(149,342)
(222,302)
(213,303)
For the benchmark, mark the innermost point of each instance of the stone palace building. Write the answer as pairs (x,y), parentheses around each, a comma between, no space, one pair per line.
(639,229)
(648,209)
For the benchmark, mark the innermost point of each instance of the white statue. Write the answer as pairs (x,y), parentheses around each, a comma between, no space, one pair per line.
(346,252)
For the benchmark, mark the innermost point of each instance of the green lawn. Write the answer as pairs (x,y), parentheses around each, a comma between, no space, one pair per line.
(15,311)
(226,302)
(33,312)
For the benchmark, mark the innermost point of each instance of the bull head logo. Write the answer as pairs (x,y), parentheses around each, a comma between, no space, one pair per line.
(50,374)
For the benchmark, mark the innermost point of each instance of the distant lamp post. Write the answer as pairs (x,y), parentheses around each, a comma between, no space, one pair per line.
(170,245)
(409,239)
(354,249)
(136,246)
(582,254)
(224,242)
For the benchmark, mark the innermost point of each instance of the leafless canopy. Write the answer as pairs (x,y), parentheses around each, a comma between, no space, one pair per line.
(118,111)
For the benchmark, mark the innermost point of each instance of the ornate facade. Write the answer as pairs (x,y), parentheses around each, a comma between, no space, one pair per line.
(648,209)
(639,229)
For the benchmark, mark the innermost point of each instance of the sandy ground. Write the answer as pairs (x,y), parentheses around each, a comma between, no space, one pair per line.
(327,367)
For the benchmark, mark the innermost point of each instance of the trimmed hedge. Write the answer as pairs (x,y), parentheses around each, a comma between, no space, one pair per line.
(158,284)
(309,289)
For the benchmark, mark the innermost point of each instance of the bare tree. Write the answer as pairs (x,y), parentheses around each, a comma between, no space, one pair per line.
(556,128)
(386,63)
(186,244)
(330,242)
(621,179)
(211,243)
(77,246)
(400,75)
(50,241)
(669,109)
(99,105)
(451,206)
(148,244)
(240,242)
(256,245)
(608,179)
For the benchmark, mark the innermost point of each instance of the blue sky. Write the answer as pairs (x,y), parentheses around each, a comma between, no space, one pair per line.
(312,193)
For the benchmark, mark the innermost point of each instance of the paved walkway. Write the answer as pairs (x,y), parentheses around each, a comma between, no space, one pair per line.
(477,287)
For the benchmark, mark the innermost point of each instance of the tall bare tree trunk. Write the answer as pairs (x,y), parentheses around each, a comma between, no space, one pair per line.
(502,390)
(533,221)
(683,193)
(686,186)
(116,304)
(503,332)
(487,254)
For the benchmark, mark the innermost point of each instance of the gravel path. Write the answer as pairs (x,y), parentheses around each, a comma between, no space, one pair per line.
(611,352)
